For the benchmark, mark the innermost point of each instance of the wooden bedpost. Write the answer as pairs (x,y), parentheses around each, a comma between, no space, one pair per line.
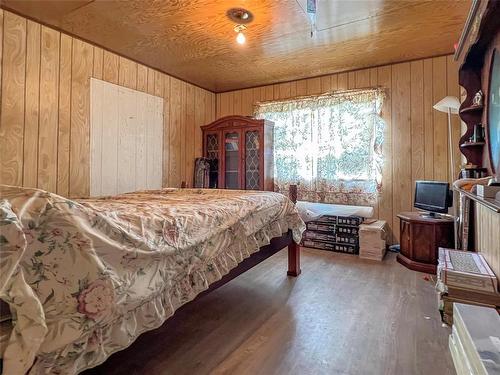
(293,248)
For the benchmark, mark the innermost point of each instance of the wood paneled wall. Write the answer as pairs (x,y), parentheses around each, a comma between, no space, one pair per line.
(45,114)
(416,136)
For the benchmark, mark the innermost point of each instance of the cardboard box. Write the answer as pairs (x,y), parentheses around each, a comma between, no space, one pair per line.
(372,240)
(465,270)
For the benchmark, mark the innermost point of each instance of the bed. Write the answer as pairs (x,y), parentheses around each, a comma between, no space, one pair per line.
(83,278)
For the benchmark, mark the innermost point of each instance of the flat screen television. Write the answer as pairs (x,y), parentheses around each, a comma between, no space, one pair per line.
(493,125)
(433,196)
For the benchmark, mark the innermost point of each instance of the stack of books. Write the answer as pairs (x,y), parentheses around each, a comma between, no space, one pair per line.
(372,240)
(464,277)
(335,233)
(475,340)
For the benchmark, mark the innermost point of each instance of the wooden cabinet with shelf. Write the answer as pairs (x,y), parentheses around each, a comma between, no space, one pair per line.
(420,238)
(471,109)
(479,39)
(243,147)
(472,144)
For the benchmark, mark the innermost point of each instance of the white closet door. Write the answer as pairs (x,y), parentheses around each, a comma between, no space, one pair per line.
(126,139)
(127,124)
(141,142)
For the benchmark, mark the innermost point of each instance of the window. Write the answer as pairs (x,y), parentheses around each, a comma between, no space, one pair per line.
(331,145)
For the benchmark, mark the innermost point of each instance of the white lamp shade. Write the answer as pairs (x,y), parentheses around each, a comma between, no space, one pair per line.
(450,103)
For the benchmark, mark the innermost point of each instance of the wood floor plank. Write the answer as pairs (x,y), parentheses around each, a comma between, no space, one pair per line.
(343,315)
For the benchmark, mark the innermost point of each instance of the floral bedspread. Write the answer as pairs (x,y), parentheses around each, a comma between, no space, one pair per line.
(84,278)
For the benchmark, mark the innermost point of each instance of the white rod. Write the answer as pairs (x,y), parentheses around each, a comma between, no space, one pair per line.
(451,178)
(452,165)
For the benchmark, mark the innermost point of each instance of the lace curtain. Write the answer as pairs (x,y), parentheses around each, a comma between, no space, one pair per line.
(330,144)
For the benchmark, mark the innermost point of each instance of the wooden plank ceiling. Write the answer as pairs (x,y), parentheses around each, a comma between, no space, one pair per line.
(194,40)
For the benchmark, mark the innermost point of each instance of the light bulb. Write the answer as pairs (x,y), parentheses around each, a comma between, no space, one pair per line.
(241,38)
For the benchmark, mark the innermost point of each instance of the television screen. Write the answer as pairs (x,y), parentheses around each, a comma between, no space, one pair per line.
(432,196)
(494,114)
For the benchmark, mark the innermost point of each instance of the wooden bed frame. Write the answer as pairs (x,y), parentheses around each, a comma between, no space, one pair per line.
(265,252)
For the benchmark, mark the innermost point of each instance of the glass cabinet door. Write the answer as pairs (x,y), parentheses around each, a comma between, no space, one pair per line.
(212,152)
(212,146)
(252,162)
(232,160)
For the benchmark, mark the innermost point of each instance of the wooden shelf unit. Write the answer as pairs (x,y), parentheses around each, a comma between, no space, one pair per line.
(477,42)
(472,144)
(473,108)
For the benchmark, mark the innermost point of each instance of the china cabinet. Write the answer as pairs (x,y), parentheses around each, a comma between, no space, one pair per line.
(243,148)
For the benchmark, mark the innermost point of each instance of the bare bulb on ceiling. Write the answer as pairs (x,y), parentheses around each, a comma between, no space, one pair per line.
(240,38)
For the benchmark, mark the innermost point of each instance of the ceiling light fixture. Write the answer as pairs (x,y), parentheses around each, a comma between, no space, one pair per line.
(240,17)
(240,38)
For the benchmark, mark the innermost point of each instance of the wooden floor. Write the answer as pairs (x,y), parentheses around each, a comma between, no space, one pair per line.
(342,315)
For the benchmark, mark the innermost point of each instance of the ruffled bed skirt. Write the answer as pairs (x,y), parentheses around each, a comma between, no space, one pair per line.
(99,344)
